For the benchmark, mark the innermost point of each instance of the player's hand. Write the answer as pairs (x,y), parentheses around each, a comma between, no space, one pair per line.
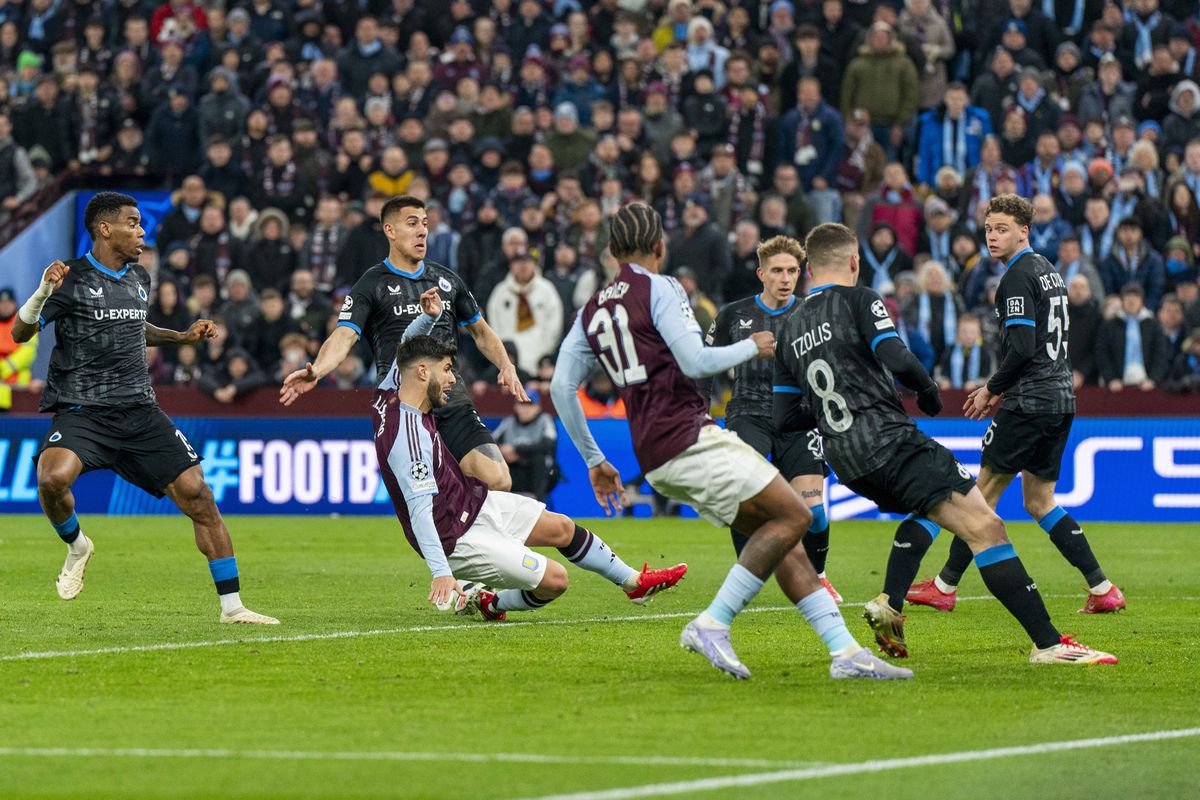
(296,384)
(200,330)
(930,401)
(980,403)
(431,303)
(441,590)
(766,343)
(509,382)
(55,274)
(606,483)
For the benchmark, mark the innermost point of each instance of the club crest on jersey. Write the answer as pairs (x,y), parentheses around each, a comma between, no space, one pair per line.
(97,292)
(348,303)
(142,293)
(444,284)
(879,309)
(419,471)
(1016,306)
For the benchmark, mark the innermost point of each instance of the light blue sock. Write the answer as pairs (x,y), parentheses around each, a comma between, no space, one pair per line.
(822,614)
(739,588)
(518,600)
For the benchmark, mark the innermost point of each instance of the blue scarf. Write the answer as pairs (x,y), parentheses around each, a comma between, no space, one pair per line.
(1122,206)
(1143,49)
(1031,103)
(1133,343)
(949,317)
(1044,178)
(1072,270)
(954,142)
(939,246)
(957,378)
(880,275)
(37,23)
(366,51)
(1076,15)
(1151,184)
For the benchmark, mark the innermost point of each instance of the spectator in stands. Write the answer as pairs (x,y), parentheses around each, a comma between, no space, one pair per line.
(950,135)
(1083,333)
(1071,262)
(882,259)
(1132,350)
(922,22)
(992,87)
(182,222)
(1132,261)
(897,204)
(273,325)
(234,376)
(307,307)
(1071,195)
(16,358)
(1171,320)
(525,309)
(938,233)
(883,80)
(271,260)
(705,113)
(1182,124)
(1178,262)
(442,243)
(1048,228)
(569,144)
(364,57)
(811,137)
(1016,139)
(698,244)
(172,138)
(935,310)
(17,181)
(810,62)
(45,121)
(240,310)
(1043,174)
(187,371)
(1097,234)
(967,363)
(528,440)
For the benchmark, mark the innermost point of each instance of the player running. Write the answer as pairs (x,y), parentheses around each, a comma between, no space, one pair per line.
(839,352)
(381,306)
(464,531)
(105,413)
(1029,433)
(748,413)
(640,327)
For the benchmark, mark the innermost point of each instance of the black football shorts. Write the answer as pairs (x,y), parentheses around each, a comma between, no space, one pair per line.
(920,474)
(1034,443)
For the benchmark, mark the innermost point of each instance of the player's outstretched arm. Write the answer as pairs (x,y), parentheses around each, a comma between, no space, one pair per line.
(25,326)
(200,330)
(673,318)
(332,353)
(493,350)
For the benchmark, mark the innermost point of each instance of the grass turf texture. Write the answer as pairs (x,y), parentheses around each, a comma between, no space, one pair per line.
(579,690)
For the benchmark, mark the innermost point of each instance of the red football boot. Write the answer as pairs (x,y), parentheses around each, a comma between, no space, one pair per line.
(1107,603)
(653,581)
(926,593)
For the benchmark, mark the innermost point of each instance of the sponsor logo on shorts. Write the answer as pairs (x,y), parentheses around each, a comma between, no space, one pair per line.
(444,284)
(55,437)
(530,563)
(1016,306)
(966,475)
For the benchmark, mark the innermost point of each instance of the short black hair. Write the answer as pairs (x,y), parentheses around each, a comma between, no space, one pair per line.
(398,202)
(635,228)
(422,348)
(104,206)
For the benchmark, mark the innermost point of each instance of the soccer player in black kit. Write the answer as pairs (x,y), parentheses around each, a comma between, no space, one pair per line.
(105,414)
(1034,391)
(382,304)
(840,353)
(748,414)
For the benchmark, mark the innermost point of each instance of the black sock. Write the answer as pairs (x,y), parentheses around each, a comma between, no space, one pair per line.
(816,541)
(957,562)
(739,541)
(909,546)
(1069,539)
(1006,578)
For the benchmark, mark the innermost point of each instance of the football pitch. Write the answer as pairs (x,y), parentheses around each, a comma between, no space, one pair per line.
(134,691)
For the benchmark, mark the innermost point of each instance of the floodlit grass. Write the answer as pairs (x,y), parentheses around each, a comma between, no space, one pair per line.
(370,713)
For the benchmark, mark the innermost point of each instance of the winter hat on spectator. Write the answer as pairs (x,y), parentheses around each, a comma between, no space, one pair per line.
(566,111)
(778,4)
(1033,73)
(936,205)
(238,15)
(461,36)
(682,168)
(435,144)
(1100,165)
(28,58)
(38,157)
(1124,121)
(268,214)
(229,76)
(580,61)
(671,5)
(1149,125)
(8,294)
(946,173)
(489,144)
(533,55)
(377,102)
(1067,47)
(1075,166)
(559,29)
(1192,340)
(238,276)
(656,87)
(697,199)
(1015,25)
(1179,243)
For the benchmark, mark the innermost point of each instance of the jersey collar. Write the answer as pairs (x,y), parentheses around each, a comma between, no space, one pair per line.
(820,288)
(774,312)
(1017,255)
(410,275)
(105,270)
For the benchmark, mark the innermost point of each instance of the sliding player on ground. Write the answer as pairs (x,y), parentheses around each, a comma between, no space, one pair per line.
(105,413)
(839,353)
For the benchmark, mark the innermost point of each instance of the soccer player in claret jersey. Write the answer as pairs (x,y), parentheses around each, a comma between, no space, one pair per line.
(836,361)
(384,302)
(748,414)
(1034,391)
(105,413)
(464,531)
(641,328)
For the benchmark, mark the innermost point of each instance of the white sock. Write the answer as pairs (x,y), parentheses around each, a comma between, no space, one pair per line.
(1101,588)
(942,586)
(707,620)
(230,602)
(849,650)
(821,575)
(77,548)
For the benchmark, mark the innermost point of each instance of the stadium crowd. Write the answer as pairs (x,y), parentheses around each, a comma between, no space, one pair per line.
(283,126)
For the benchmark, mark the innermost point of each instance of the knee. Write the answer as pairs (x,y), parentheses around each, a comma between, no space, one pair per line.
(53,482)
(196,501)
(992,531)
(498,477)
(1038,507)
(564,530)
(554,582)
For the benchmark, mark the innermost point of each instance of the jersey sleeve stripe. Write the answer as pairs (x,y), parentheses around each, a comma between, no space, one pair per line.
(478,316)
(41,323)
(787,390)
(413,445)
(881,337)
(1012,322)
(351,326)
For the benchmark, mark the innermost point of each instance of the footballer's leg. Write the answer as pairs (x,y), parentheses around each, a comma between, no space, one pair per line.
(494,605)
(1067,535)
(472,445)
(57,470)
(192,496)
(486,463)
(816,541)
(588,551)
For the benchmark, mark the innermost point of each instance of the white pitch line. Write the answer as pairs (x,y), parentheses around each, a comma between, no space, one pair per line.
(879,765)
(316,637)
(368,755)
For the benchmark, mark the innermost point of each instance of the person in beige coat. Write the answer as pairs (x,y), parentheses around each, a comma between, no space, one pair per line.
(922,22)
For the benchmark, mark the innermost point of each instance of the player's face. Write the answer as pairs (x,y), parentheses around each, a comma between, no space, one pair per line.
(779,276)
(1004,235)
(441,380)
(407,230)
(125,234)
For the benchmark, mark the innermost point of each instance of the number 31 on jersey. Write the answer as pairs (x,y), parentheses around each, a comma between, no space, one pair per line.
(620,358)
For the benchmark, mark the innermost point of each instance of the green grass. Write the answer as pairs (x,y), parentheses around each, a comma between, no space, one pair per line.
(595,689)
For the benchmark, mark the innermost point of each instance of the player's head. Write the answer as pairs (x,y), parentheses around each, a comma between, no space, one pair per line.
(426,362)
(406,226)
(1006,224)
(113,221)
(779,260)
(832,254)
(636,234)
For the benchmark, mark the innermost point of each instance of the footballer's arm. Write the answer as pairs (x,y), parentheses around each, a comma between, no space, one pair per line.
(200,330)
(25,326)
(493,350)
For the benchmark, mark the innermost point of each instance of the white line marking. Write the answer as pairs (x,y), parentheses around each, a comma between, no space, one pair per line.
(881,765)
(316,637)
(318,755)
